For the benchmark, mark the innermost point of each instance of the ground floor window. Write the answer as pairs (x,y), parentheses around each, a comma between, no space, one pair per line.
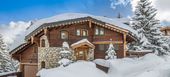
(104,47)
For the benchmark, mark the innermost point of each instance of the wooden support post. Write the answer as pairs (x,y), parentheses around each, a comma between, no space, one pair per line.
(90,24)
(124,44)
(32,39)
(45,31)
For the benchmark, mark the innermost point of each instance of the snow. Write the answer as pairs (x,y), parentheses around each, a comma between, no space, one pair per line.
(102,62)
(78,69)
(64,51)
(140,51)
(68,16)
(65,44)
(149,65)
(81,41)
(64,62)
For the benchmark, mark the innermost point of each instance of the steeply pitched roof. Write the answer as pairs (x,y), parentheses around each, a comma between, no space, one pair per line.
(38,24)
(69,16)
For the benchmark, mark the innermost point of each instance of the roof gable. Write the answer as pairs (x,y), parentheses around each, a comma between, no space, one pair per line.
(71,18)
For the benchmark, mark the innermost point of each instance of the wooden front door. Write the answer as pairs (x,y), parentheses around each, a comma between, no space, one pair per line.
(30,70)
(81,53)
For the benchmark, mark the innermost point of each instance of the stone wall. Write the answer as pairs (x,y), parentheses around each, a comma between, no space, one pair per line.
(50,55)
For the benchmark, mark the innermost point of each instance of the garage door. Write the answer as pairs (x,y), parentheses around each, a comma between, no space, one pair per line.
(30,70)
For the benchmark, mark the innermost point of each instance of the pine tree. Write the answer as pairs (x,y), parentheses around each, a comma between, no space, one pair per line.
(111,54)
(6,63)
(147,27)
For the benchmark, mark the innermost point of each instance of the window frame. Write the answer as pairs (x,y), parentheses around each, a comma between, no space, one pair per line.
(64,31)
(81,32)
(99,29)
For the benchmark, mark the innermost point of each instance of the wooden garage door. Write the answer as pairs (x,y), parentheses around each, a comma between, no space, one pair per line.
(30,70)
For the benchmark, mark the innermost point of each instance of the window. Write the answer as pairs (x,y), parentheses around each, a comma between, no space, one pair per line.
(99,31)
(64,35)
(101,47)
(82,32)
(42,64)
(43,43)
(78,32)
(96,31)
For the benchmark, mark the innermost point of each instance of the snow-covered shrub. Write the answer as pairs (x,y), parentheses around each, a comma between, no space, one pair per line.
(111,53)
(64,62)
(65,45)
(65,55)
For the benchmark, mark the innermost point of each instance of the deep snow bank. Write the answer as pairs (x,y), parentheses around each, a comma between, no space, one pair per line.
(78,69)
(148,66)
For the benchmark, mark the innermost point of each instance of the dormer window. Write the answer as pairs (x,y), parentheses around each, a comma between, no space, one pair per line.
(64,35)
(82,32)
(99,31)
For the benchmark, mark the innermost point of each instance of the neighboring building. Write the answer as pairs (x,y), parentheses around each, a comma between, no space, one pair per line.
(88,36)
(166,30)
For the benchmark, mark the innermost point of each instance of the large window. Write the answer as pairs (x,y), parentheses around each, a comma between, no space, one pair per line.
(104,47)
(99,31)
(64,35)
(82,32)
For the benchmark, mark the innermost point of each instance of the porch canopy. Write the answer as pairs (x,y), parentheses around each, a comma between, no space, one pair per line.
(81,43)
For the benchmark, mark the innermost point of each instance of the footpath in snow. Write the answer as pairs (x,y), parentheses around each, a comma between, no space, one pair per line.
(148,66)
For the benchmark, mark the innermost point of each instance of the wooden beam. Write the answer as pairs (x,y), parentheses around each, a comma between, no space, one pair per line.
(45,31)
(108,42)
(32,39)
(124,44)
(90,25)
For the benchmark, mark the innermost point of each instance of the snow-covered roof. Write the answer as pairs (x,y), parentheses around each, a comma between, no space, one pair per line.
(81,42)
(68,16)
(140,51)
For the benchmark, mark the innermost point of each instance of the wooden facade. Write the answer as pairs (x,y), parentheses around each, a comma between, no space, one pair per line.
(76,31)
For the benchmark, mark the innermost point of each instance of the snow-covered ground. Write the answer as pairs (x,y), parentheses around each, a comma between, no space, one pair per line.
(148,66)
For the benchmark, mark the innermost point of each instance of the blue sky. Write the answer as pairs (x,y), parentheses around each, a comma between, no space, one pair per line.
(25,10)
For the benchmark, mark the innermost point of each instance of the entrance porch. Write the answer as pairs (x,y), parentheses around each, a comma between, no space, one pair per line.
(83,50)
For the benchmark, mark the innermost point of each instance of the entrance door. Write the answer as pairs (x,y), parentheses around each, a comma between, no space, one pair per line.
(81,53)
(30,70)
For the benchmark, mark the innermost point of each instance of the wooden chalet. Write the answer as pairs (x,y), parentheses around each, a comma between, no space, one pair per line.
(81,31)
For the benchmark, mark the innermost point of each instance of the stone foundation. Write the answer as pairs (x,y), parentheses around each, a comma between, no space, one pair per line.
(50,55)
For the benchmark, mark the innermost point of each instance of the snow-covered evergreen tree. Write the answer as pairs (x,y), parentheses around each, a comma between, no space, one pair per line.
(66,52)
(111,53)
(6,63)
(65,55)
(148,29)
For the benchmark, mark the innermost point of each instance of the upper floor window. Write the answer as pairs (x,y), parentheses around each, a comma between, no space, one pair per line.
(78,32)
(64,35)
(82,32)
(43,43)
(99,31)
